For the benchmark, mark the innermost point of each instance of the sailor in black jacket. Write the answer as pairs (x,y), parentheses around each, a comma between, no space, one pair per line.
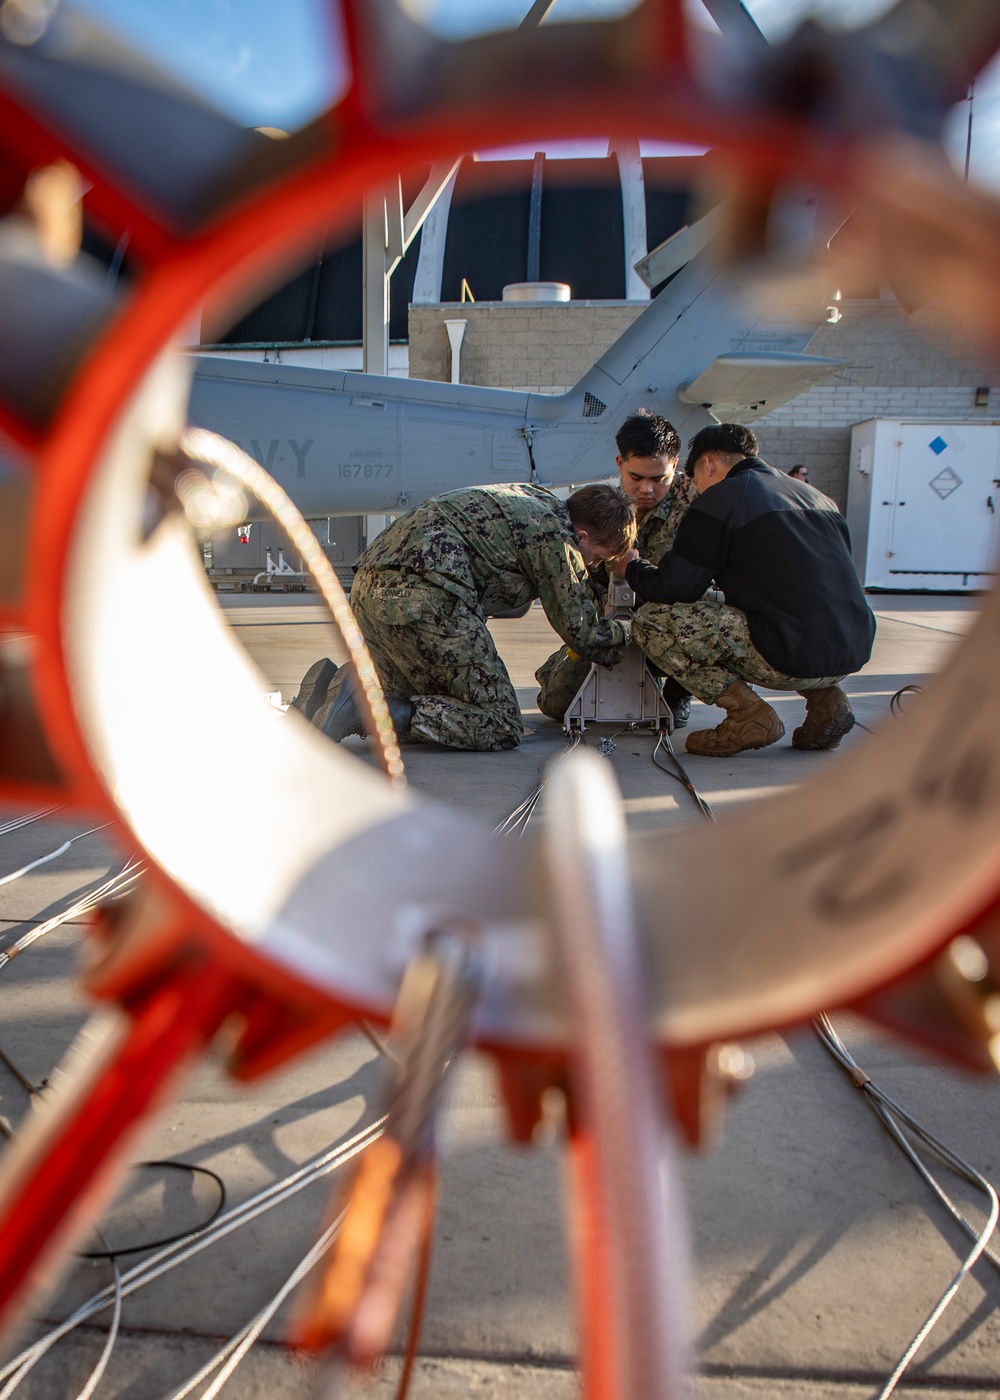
(795,616)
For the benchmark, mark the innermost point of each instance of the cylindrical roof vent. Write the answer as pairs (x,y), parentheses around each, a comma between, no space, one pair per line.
(536,291)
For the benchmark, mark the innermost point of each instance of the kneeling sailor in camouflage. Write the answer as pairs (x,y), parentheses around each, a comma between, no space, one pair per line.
(795,616)
(425,587)
(648,453)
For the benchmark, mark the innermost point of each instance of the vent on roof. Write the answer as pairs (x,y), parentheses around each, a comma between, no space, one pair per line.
(592,406)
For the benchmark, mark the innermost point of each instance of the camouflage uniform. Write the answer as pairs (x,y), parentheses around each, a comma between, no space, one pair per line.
(706,646)
(424,589)
(562,675)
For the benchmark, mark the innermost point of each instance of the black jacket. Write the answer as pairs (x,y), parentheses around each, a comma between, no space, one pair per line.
(780,552)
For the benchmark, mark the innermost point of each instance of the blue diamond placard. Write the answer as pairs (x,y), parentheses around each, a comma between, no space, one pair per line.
(937,446)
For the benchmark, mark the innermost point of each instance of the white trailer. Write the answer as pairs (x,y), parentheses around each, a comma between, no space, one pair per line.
(922,503)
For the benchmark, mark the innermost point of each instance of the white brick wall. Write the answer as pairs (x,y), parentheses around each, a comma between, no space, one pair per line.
(896,367)
(518,345)
(836,405)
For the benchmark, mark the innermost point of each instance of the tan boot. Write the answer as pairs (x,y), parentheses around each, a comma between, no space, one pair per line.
(750,723)
(828,718)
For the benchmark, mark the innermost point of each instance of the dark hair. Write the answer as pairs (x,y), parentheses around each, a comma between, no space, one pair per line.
(606,513)
(799,467)
(731,439)
(645,434)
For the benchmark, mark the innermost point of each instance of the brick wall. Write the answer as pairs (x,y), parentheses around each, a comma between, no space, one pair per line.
(899,368)
(516,345)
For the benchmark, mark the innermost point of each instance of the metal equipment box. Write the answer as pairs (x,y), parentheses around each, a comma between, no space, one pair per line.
(922,502)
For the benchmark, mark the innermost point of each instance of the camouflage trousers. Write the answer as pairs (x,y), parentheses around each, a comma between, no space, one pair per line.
(560,677)
(706,646)
(429,646)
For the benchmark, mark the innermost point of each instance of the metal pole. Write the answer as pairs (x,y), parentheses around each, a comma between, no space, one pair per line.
(535,219)
(375,303)
(536,14)
(317,273)
(629,155)
(430,264)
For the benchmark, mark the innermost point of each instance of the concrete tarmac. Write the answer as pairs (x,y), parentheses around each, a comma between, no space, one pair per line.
(816,1249)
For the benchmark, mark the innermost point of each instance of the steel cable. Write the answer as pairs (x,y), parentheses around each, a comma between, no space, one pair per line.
(176,1249)
(27,819)
(97,1374)
(888,1113)
(237,1348)
(173,1255)
(887,1107)
(52,855)
(84,905)
(115,885)
(681,775)
(891,1114)
(230,1356)
(518,819)
(188,1245)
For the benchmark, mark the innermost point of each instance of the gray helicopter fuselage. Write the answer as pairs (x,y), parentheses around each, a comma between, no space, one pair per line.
(346,443)
(353,444)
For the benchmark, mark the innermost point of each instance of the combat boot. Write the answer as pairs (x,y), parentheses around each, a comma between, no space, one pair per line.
(678,699)
(345,717)
(313,687)
(828,718)
(750,723)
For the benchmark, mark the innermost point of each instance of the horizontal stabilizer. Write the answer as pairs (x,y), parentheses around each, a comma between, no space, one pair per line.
(677,251)
(742,386)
